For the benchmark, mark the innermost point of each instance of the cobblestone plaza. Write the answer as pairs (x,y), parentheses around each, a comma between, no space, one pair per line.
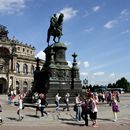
(64,119)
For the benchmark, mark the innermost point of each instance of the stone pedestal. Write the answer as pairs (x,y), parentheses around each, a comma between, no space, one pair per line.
(56,75)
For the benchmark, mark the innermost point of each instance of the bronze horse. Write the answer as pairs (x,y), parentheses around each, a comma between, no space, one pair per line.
(55,29)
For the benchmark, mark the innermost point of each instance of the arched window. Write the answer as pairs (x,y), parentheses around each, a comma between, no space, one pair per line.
(25,69)
(25,87)
(17,68)
(32,69)
(17,87)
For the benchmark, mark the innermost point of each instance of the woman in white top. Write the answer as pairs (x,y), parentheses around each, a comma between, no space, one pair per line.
(20,106)
(57,99)
(93,107)
(78,107)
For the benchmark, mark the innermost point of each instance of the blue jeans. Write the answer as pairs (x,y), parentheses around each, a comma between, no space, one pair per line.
(57,106)
(78,113)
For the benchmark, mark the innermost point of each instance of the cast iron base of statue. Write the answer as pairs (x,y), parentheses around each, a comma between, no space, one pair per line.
(56,75)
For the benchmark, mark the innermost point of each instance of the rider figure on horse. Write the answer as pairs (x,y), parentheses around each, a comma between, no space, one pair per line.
(53,21)
(55,28)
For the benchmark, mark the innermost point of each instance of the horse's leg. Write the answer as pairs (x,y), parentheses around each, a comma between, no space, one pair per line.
(48,36)
(58,39)
(54,39)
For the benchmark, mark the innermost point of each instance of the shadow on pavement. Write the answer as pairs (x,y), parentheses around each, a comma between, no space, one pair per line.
(34,116)
(104,119)
(12,118)
(64,119)
(73,123)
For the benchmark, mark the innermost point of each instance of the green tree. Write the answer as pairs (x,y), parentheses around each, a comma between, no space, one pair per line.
(110,85)
(122,83)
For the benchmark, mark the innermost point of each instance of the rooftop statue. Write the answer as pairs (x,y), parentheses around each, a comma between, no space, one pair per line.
(3,29)
(3,32)
(55,28)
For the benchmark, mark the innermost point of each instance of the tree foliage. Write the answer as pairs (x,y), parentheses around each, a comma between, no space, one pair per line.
(122,83)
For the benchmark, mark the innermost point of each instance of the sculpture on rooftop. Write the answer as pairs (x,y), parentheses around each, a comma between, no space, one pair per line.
(3,32)
(55,28)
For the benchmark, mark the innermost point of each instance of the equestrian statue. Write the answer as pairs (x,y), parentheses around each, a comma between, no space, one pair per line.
(55,28)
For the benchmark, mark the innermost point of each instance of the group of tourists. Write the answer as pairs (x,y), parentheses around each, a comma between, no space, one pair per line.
(11,96)
(85,106)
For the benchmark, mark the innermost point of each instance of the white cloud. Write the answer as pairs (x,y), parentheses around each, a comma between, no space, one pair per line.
(86,64)
(11,6)
(68,13)
(110,24)
(126,31)
(99,67)
(89,29)
(79,63)
(67,43)
(98,74)
(123,16)
(124,12)
(112,75)
(41,55)
(69,64)
(96,8)
(84,74)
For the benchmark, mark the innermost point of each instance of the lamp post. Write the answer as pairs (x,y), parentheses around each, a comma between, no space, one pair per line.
(85,82)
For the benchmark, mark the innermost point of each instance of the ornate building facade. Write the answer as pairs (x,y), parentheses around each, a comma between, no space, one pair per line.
(17,64)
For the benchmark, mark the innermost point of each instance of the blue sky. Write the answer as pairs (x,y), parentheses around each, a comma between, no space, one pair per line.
(97,30)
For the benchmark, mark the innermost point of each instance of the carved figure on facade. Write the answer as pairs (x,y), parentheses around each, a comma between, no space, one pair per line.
(61,74)
(52,74)
(68,75)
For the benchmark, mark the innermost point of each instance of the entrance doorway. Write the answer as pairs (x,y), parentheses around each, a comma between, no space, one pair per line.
(3,86)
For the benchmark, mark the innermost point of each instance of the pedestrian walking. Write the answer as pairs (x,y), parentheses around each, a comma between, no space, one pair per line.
(43,104)
(20,106)
(57,99)
(66,101)
(115,108)
(78,107)
(9,98)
